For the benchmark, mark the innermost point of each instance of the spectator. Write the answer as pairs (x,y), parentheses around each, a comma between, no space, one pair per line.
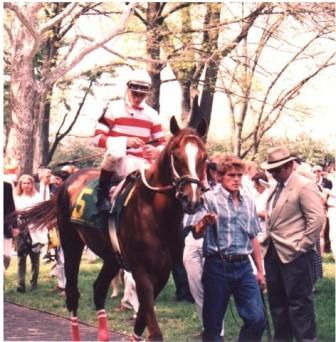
(124,130)
(331,205)
(44,186)
(322,181)
(247,183)
(231,223)
(324,185)
(129,301)
(57,179)
(28,242)
(260,182)
(295,218)
(182,290)
(10,231)
(180,277)
(306,170)
(54,241)
(115,285)
(70,168)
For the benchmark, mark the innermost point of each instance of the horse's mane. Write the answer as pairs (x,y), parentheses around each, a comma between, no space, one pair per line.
(164,157)
(176,140)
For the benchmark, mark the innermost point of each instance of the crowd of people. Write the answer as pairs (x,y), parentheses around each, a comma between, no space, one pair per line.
(260,227)
(28,191)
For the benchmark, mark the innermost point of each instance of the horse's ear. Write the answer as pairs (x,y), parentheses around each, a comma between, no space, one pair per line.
(174,127)
(202,128)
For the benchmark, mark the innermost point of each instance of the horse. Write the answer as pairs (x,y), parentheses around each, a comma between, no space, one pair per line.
(149,228)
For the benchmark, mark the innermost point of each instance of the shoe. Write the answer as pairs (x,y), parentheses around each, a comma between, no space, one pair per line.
(114,295)
(21,289)
(105,179)
(121,308)
(33,287)
(103,202)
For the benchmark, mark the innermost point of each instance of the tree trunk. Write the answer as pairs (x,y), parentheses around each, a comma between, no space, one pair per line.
(23,97)
(153,41)
(186,99)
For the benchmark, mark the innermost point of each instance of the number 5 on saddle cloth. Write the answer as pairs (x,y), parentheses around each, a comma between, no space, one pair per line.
(85,211)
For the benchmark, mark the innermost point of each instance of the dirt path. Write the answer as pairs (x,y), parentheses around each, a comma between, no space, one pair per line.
(24,324)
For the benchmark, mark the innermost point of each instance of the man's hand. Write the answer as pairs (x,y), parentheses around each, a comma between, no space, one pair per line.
(150,152)
(261,280)
(134,142)
(200,227)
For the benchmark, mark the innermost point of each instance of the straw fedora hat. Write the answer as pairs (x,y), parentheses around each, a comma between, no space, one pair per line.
(276,157)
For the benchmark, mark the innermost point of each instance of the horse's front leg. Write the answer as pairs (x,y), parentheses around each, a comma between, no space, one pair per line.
(72,249)
(100,288)
(148,288)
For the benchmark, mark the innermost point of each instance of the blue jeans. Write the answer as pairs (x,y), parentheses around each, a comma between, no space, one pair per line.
(220,280)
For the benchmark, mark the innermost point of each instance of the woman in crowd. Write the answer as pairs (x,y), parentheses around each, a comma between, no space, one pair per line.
(28,242)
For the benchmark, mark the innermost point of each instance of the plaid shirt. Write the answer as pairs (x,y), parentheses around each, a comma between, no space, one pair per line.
(235,226)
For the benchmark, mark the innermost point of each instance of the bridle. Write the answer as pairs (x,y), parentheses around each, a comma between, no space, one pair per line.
(177,182)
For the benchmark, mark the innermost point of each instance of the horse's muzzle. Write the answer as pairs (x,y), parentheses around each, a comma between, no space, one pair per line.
(190,207)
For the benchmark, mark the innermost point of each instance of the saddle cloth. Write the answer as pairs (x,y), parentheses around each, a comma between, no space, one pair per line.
(85,211)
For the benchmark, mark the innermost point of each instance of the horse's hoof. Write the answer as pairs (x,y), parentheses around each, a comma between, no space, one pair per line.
(103,335)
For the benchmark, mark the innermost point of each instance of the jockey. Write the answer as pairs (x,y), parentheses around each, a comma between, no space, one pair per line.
(131,132)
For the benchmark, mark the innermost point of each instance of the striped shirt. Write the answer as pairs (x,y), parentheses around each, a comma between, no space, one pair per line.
(235,226)
(121,121)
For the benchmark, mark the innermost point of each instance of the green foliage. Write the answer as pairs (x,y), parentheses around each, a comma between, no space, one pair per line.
(178,320)
(84,154)
(311,150)
(216,147)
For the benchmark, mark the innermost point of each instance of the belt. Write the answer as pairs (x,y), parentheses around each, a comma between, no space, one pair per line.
(232,257)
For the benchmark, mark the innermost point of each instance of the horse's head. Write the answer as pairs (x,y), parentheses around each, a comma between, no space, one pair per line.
(187,154)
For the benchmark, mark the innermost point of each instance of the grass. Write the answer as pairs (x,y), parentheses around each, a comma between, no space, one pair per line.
(178,321)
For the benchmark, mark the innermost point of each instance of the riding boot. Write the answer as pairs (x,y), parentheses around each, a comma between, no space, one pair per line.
(103,189)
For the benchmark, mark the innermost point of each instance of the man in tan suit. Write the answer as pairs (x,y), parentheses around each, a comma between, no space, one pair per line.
(295,218)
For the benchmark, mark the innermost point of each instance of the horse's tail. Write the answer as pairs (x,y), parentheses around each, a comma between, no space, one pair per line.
(41,215)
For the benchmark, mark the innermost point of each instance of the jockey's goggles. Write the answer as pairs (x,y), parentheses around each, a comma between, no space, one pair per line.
(139,87)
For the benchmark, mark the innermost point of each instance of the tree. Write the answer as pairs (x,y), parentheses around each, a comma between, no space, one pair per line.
(259,94)
(27,34)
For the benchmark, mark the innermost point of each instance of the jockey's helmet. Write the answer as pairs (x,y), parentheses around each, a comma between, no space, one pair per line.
(139,81)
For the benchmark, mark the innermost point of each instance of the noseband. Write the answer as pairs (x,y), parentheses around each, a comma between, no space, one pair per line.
(177,182)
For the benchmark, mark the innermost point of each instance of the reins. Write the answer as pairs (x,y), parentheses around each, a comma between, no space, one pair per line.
(154,188)
(177,181)
(99,154)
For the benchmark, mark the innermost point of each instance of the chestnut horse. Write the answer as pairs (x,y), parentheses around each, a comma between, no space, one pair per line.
(149,228)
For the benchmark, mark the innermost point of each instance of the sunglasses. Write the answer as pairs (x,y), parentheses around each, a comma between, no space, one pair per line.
(276,170)
(141,88)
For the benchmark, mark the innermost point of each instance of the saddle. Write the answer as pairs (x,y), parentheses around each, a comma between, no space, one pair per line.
(85,211)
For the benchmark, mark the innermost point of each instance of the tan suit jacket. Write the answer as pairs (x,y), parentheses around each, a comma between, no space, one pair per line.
(296,220)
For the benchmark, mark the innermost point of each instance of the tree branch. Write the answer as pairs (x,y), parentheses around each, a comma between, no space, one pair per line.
(59,136)
(10,36)
(64,68)
(22,18)
(58,18)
